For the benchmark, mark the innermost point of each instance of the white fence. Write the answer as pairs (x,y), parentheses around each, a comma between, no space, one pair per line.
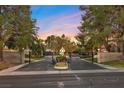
(109,56)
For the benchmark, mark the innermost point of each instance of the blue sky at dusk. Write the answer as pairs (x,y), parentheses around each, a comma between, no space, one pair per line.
(57,19)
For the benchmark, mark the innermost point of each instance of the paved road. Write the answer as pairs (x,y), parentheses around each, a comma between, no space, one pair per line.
(45,65)
(88,80)
(79,80)
(78,64)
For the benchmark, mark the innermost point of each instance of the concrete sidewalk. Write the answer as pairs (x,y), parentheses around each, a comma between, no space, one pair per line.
(16,73)
(11,69)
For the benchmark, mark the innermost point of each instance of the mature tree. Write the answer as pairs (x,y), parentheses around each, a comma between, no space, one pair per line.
(26,29)
(118,13)
(97,26)
(70,47)
(55,43)
(38,47)
(81,38)
(11,42)
(5,27)
(51,42)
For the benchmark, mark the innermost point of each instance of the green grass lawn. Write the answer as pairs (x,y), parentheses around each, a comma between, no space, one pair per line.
(33,58)
(90,59)
(37,58)
(118,63)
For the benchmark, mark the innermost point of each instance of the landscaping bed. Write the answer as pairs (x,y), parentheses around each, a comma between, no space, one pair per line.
(61,65)
(117,63)
(61,62)
(5,65)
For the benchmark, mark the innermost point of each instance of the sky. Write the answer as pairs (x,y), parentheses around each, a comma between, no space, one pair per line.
(57,19)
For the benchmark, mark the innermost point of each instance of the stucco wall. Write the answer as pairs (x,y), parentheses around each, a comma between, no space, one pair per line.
(11,56)
(104,57)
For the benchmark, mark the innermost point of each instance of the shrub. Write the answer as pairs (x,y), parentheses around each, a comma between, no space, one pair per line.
(61,58)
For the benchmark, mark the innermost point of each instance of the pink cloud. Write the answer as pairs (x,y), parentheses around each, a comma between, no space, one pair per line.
(57,31)
(66,24)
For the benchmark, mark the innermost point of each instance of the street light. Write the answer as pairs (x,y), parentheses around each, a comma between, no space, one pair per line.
(29,56)
(92,55)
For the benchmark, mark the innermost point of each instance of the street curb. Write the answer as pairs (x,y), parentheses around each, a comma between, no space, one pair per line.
(8,70)
(101,65)
(38,60)
(18,73)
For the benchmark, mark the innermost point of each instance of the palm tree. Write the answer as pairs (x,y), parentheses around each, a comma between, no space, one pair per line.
(38,47)
(57,42)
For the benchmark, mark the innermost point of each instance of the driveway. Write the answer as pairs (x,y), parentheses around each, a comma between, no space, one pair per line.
(45,65)
(78,64)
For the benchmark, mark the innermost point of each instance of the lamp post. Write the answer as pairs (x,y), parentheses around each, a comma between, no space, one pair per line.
(29,56)
(92,56)
(23,56)
(28,52)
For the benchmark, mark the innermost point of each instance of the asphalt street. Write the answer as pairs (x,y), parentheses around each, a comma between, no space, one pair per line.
(75,80)
(45,65)
(87,80)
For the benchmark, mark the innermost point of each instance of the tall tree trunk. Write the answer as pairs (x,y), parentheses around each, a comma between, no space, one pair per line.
(123,48)
(1,53)
(1,38)
(1,48)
